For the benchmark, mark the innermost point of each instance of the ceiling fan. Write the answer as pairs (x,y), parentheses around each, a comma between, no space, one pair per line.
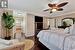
(56,7)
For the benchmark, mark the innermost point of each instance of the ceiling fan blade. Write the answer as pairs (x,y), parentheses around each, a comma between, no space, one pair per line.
(60,9)
(50,5)
(62,4)
(46,9)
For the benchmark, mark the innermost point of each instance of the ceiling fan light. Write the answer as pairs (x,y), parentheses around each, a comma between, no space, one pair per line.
(53,10)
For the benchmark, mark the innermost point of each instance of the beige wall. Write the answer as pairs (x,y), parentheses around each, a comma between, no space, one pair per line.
(29,22)
(58,22)
(45,22)
(2,28)
(52,23)
(59,19)
(30,25)
(22,18)
(0,23)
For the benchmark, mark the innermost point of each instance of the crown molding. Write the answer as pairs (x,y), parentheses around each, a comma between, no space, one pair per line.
(65,14)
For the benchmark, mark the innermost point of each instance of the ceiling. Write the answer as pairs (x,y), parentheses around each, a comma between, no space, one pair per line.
(36,7)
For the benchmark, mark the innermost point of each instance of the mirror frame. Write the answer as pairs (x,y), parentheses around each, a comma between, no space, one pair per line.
(69,18)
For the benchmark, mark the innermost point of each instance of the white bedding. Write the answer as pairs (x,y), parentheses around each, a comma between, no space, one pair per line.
(69,43)
(54,39)
(7,43)
(3,46)
(16,46)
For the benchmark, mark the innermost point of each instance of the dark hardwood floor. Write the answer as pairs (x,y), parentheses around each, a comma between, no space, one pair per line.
(37,44)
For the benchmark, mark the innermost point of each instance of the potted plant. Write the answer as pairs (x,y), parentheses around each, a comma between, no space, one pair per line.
(8,24)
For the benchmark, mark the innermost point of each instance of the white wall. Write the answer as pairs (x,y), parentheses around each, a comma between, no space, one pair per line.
(52,23)
(0,23)
(44,22)
(58,22)
(30,25)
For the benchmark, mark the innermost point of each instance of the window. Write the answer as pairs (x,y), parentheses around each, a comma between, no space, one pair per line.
(4,4)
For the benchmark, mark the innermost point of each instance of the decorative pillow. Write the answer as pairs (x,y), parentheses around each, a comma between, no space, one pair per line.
(72,29)
(67,30)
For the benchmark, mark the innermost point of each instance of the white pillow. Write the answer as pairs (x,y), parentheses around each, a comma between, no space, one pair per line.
(67,30)
(72,29)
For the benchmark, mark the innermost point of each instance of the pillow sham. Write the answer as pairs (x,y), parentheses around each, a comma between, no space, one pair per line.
(67,30)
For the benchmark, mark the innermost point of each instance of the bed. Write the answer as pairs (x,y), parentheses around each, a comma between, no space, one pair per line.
(57,39)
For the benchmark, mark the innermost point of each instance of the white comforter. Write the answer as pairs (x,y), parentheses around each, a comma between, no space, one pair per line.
(2,46)
(56,39)
(7,43)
